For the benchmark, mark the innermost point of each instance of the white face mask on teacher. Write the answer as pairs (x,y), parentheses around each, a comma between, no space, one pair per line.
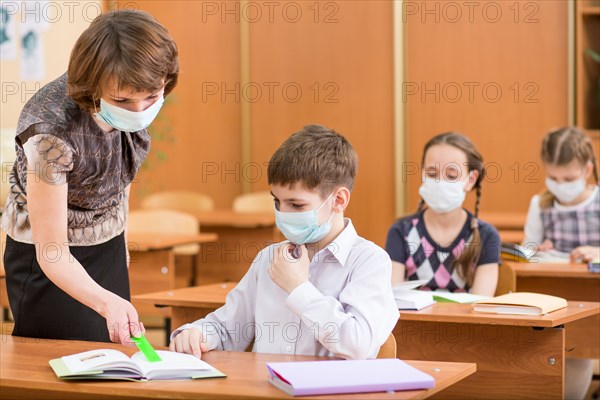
(128,121)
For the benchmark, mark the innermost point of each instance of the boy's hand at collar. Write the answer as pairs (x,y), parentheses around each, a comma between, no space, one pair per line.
(287,271)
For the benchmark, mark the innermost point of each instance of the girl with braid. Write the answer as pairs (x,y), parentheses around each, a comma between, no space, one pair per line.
(566,217)
(443,243)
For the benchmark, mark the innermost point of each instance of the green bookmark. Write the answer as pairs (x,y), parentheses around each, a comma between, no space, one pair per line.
(146,348)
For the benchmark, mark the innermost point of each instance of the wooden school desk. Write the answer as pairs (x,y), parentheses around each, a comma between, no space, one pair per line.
(515,348)
(572,282)
(505,220)
(516,356)
(510,225)
(188,304)
(25,373)
(152,262)
(241,237)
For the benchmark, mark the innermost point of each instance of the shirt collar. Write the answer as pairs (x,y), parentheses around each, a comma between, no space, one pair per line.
(340,247)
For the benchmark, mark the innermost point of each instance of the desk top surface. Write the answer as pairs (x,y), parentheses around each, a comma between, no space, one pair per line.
(213,296)
(24,365)
(463,313)
(137,241)
(230,218)
(206,296)
(553,270)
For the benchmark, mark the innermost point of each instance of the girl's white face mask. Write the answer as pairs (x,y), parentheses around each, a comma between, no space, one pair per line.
(443,196)
(128,121)
(566,192)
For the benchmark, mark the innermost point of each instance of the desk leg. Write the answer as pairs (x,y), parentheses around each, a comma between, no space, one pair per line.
(512,361)
(151,271)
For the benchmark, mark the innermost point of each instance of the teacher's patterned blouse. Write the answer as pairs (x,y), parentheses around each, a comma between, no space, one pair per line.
(58,142)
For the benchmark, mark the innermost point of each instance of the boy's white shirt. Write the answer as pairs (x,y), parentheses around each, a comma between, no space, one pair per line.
(346,309)
(534,228)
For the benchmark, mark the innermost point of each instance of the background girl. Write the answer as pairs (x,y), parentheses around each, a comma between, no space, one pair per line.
(566,217)
(445,244)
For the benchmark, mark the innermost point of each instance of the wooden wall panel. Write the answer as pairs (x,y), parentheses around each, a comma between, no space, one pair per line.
(517,47)
(340,56)
(205,126)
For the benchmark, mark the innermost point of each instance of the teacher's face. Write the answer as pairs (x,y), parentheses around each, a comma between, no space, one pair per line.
(127,98)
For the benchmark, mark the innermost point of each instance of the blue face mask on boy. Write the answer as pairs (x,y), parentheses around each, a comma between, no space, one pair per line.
(128,121)
(303,227)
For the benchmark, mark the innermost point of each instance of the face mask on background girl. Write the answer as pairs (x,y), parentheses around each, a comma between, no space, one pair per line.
(442,195)
(567,182)
(569,161)
(446,178)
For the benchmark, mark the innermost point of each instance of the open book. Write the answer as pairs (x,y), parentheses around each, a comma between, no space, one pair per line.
(521,303)
(346,376)
(516,252)
(113,364)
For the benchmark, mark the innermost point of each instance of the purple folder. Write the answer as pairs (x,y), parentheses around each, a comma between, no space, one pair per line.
(347,376)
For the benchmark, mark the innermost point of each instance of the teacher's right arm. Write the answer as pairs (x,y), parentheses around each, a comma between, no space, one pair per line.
(47,207)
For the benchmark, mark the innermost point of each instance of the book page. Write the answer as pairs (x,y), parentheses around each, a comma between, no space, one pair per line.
(102,359)
(460,297)
(550,256)
(173,365)
(407,285)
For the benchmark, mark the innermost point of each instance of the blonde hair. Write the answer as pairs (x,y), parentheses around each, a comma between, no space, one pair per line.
(470,255)
(562,146)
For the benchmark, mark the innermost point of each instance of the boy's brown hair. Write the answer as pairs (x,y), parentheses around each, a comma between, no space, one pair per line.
(129,46)
(316,157)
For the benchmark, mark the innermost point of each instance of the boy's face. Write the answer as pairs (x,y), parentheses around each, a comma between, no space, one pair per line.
(297,198)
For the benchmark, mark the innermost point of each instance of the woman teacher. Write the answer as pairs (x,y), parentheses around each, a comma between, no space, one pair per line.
(80,141)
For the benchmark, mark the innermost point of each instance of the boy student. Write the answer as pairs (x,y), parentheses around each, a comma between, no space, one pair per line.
(325,291)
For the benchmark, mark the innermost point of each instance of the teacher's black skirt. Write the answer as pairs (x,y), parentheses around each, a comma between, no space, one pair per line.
(42,310)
